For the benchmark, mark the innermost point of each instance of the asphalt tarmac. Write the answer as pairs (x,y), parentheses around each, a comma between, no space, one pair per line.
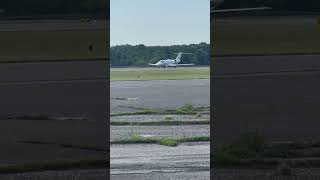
(125,132)
(277,96)
(265,64)
(65,89)
(187,161)
(168,94)
(55,89)
(155,161)
(91,174)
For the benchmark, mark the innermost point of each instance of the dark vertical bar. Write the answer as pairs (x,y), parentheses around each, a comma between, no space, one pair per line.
(54,89)
(108,90)
(265,90)
(212,110)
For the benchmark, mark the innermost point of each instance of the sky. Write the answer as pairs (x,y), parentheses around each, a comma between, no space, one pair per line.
(159,22)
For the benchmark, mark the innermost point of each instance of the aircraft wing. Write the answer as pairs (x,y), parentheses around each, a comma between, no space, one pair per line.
(151,64)
(185,65)
(239,9)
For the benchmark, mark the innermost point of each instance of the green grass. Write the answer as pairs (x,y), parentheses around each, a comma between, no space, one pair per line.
(253,150)
(137,139)
(186,109)
(266,36)
(248,146)
(56,165)
(143,112)
(151,112)
(160,74)
(168,142)
(41,46)
(168,118)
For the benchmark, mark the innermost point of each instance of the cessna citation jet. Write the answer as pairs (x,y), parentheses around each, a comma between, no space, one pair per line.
(171,62)
(216,3)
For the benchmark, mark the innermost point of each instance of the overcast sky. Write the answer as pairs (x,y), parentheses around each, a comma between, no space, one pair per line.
(159,22)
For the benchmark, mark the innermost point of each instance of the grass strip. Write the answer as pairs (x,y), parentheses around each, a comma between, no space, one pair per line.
(160,74)
(65,145)
(33,46)
(186,109)
(194,108)
(144,112)
(153,112)
(253,150)
(159,123)
(49,60)
(93,163)
(166,141)
(269,36)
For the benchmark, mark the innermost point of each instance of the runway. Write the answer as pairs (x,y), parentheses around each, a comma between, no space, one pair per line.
(168,94)
(282,105)
(152,68)
(143,161)
(265,64)
(277,96)
(55,89)
(53,71)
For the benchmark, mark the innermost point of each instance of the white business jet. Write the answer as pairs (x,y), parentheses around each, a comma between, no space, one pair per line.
(171,62)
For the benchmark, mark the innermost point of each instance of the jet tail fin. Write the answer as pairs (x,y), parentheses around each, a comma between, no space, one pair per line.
(178,58)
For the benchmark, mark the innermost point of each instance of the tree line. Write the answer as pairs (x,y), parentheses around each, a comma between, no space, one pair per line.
(141,55)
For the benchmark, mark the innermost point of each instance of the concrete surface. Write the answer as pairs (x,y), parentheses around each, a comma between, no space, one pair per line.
(187,161)
(125,132)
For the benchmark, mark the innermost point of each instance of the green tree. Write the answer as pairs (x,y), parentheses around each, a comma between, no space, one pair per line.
(141,55)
